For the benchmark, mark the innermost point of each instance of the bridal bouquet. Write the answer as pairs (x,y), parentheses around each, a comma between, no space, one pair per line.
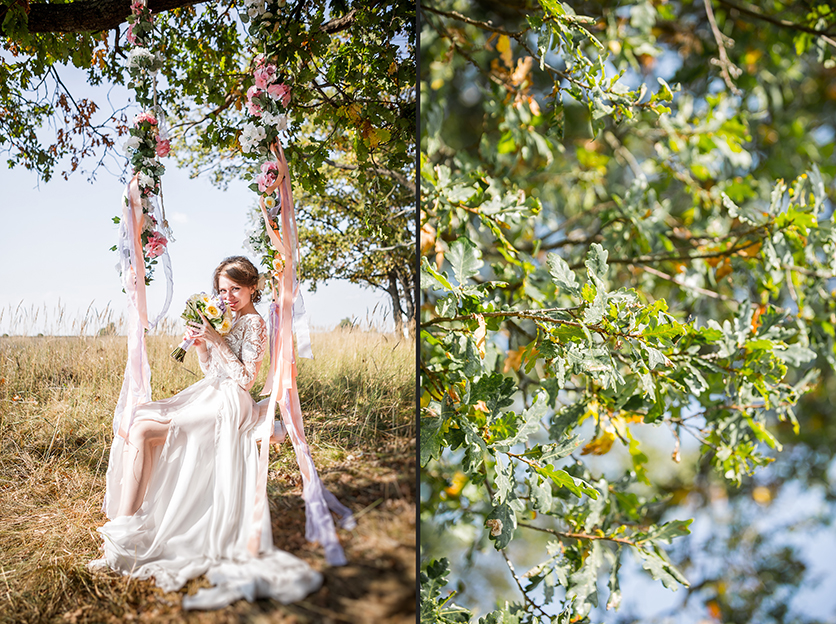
(215,311)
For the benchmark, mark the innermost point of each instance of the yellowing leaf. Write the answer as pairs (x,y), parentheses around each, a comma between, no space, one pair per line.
(751,251)
(427,239)
(522,70)
(503,46)
(723,270)
(513,360)
(458,482)
(600,445)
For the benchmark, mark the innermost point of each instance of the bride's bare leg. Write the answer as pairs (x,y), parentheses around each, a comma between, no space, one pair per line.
(136,460)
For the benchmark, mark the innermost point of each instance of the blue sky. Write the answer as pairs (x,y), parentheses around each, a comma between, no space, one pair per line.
(56,236)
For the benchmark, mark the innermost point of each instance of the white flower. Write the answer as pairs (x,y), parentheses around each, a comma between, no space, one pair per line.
(145,181)
(147,223)
(250,136)
(131,145)
(277,121)
(141,57)
(270,202)
(254,11)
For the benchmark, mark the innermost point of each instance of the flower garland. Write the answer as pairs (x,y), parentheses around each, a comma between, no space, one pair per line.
(268,99)
(148,140)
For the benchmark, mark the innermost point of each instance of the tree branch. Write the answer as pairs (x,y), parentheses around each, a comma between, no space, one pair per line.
(99,15)
(827,36)
(395,175)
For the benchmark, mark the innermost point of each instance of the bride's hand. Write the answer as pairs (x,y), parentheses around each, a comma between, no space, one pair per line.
(204,332)
(195,334)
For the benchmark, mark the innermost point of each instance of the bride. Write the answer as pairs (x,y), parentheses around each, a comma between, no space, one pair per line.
(181,499)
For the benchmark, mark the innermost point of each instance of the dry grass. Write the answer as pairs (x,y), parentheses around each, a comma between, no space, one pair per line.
(57,396)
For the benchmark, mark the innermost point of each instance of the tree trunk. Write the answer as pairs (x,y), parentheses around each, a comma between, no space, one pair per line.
(408,297)
(397,314)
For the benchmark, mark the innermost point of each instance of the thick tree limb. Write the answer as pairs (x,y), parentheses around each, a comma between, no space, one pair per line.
(99,15)
(90,15)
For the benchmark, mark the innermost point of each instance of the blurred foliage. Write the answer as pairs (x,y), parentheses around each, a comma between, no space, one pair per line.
(627,221)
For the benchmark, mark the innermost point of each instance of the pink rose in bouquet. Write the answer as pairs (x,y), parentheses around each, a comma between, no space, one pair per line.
(131,36)
(163,147)
(155,245)
(268,175)
(264,75)
(149,117)
(280,92)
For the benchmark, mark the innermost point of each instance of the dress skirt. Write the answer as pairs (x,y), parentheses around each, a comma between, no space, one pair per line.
(198,508)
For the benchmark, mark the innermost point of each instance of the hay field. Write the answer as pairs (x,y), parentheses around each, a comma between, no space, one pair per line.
(57,395)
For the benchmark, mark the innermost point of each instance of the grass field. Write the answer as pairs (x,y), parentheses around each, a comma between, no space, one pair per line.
(57,395)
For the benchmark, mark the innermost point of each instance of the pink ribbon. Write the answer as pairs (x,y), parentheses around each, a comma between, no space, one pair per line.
(281,383)
(136,387)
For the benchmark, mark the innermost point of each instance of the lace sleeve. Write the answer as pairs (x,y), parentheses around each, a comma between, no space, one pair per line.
(253,344)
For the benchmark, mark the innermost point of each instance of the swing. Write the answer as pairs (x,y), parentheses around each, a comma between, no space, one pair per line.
(143,239)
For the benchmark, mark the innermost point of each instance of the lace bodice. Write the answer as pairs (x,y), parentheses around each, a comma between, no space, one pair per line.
(239,356)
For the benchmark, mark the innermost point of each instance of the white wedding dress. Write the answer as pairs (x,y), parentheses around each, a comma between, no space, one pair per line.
(198,507)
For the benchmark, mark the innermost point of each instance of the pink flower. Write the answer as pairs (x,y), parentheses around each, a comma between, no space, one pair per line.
(149,117)
(268,175)
(264,75)
(131,36)
(259,60)
(280,92)
(155,245)
(254,108)
(136,7)
(163,147)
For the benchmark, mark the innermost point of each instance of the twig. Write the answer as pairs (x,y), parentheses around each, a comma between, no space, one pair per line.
(702,291)
(727,68)
(468,20)
(580,536)
(825,35)
(519,584)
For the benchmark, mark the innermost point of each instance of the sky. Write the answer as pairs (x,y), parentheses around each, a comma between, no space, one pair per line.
(56,237)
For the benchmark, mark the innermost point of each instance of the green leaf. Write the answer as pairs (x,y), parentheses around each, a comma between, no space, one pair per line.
(562,275)
(583,584)
(430,278)
(431,432)
(531,422)
(501,524)
(594,312)
(661,569)
(577,486)
(667,532)
(504,480)
(541,493)
(465,258)
(596,265)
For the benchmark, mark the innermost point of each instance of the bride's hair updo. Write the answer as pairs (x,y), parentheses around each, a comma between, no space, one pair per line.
(241,271)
